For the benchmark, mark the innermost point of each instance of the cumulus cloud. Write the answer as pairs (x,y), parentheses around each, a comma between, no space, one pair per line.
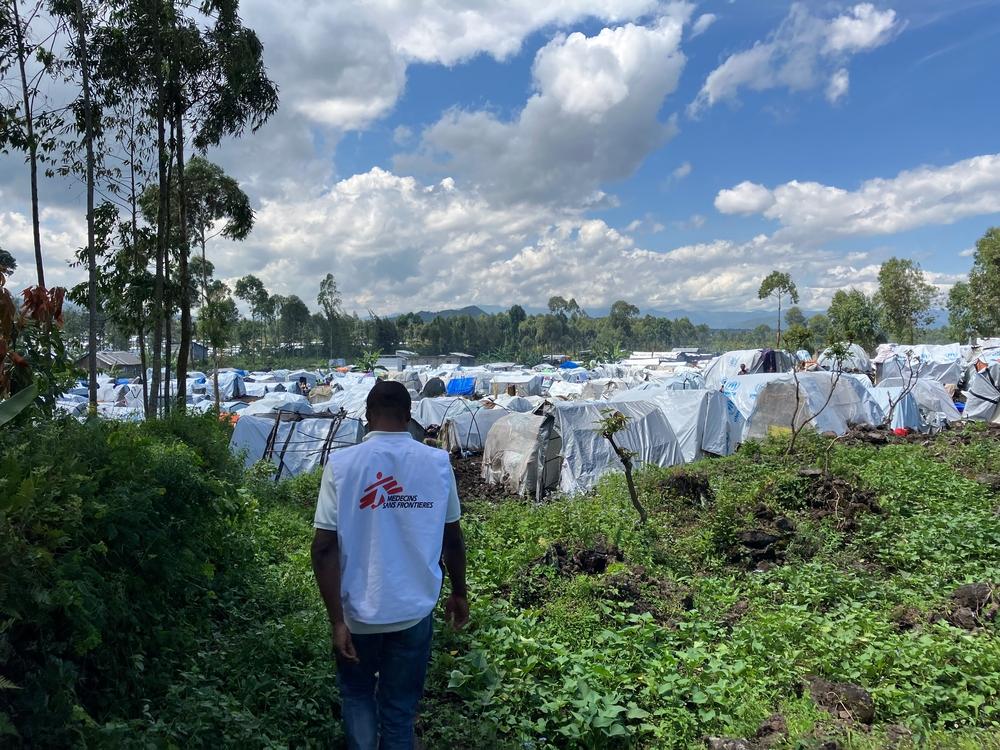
(913,198)
(802,53)
(745,198)
(593,117)
(702,23)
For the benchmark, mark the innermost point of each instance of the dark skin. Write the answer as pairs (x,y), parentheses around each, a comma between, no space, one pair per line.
(326,566)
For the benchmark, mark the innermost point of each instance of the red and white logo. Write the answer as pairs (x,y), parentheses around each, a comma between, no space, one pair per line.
(377,493)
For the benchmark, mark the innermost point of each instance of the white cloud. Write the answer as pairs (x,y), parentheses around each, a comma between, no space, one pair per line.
(800,54)
(967,253)
(913,198)
(593,117)
(702,24)
(682,171)
(745,198)
(840,81)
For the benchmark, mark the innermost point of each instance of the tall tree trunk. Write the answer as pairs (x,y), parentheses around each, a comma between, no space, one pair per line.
(182,267)
(215,374)
(142,361)
(155,7)
(779,321)
(29,117)
(88,120)
(168,335)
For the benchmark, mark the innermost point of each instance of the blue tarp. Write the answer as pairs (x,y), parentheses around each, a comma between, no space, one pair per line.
(461,386)
(568,365)
(122,381)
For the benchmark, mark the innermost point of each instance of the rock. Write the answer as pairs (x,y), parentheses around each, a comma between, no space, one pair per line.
(990,480)
(906,618)
(758,539)
(897,734)
(785,525)
(772,732)
(974,596)
(963,617)
(844,700)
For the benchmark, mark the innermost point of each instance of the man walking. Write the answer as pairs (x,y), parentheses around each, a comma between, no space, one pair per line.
(388,512)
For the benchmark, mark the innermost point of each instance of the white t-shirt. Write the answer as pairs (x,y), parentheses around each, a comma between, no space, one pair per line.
(389,555)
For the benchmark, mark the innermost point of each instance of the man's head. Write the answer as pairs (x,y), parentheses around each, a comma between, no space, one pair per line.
(388,406)
(302,380)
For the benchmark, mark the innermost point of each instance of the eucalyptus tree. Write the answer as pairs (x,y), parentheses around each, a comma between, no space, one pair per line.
(25,126)
(778,285)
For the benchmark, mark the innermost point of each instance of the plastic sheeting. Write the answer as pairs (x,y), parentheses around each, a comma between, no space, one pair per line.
(464,386)
(273,402)
(856,360)
(437,410)
(468,430)
(518,450)
(564,390)
(231,386)
(586,454)
(525,384)
(982,400)
(726,367)
(932,399)
(699,419)
(944,363)
(353,400)
(902,406)
(827,401)
(294,446)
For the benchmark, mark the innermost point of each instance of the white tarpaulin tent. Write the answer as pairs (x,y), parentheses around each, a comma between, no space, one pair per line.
(525,383)
(586,454)
(352,400)
(855,361)
(982,400)
(699,419)
(279,401)
(901,404)
(834,403)
(942,362)
(932,399)
(231,386)
(294,446)
(726,367)
(520,450)
(469,429)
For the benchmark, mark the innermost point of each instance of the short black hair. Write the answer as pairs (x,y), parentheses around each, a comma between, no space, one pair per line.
(389,399)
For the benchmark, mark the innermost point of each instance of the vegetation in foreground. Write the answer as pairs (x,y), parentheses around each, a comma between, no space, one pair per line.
(156,595)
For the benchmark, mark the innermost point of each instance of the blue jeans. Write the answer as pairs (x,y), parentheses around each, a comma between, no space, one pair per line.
(380,694)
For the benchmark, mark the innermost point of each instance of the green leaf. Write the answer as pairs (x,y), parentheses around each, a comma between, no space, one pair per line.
(17,403)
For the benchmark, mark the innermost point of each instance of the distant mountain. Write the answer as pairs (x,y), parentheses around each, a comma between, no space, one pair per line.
(471,310)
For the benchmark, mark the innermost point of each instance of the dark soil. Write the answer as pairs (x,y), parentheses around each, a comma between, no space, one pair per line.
(973,606)
(691,486)
(833,497)
(846,701)
(646,594)
(471,485)
(772,733)
(907,618)
(736,613)
(531,587)
(765,545)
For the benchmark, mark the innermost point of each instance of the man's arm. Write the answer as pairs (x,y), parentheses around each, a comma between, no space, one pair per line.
(326,568)
(456,609)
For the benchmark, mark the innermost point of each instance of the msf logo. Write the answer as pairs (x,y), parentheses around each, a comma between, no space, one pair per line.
(376,494)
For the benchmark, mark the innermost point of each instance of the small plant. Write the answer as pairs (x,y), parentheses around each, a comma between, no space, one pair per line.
(613,422)
(368,359)
(838,352)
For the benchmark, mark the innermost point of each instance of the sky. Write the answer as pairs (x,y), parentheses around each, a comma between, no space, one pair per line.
(439,153)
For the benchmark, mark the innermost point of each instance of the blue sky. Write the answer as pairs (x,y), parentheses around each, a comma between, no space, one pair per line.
(448,153)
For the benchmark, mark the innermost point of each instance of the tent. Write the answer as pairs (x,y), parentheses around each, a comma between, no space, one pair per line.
(982,400)
(699,419)
(931,397)
(829,402)
(464,386)
(757,361)
(294,445)
(231,385)
(899,406)
(855,361)
(524,383)
(353,399)
(523,454)
(944,363)
(564,390)
(275,402)
(569,365)
(467,430)
(587,455)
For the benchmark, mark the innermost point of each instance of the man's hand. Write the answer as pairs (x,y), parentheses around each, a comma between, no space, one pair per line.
(456,611)
(344,646)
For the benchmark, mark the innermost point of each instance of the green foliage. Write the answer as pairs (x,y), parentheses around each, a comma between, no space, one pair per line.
(157,595)
(855,317)
(984,283)
(904,298)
